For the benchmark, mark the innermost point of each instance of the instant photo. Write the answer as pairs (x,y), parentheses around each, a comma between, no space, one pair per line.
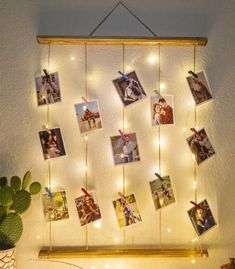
(55,206)
(162,111)
(125,149)
(88,116)
(48,89)
(129,89)
(200,146)
(87,208)
(201,217)
(199,88)
(162,192)
(52,143)
(126,210)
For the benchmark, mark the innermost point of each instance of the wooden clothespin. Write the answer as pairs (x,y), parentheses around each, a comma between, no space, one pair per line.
(46,73)
(192,74)
(85,192)
(196,205)
(124,76)
(121,195)
(45,127)
(194,130)
(158,176)
(123,136)
(49,193)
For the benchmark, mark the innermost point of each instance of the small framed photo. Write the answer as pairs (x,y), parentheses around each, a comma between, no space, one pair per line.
(200,146)
(201,217)
(55,206)
(199,87)
(48,89)
(126,210)
(88,116)
(125,149)
(87,208)
(129,89)
(52,143)
(162,110)
(162,192)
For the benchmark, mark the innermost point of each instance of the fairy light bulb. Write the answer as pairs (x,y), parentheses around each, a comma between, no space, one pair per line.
(122,155)
(152,58)
(194,239)
(193,157)
(117,239)
(128,68)
(194,184)
(162,86)
(97,225)
(72,58)
(168,230)
(86,137)
(84,107)
(193,261)
(107,266)
(90,78)
(184,129)
(92,267)
(85,167)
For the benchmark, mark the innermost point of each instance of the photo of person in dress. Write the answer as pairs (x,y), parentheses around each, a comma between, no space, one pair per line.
(199,88)
(162,110)
(200,146)
(162,192)
(55,206)
(87,208)
(125,148)
(126,210)
(129,89)
(48,89)
(201,217)
(52,143)
(88,116)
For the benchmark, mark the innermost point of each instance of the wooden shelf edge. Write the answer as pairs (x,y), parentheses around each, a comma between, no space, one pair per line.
(129,41)
(96,253)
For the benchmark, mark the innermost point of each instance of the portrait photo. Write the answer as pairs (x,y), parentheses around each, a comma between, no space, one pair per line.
(126,210)
(55,206)
(129,89)
(201,217)
(87,208)
(162,110)
(125,148)
(88,116)
(199,88)
(200,146)
(52,143)
(162,192)
(48,89)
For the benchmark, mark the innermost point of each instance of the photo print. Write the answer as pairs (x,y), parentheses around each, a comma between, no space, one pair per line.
(200,146)
(125,148)
(162,192)
(87,208)
(199,88)
(129,89)
(48,89)
(55,206)
(88,116)
(52,143)
(201,217)
(126,210)
(162,110)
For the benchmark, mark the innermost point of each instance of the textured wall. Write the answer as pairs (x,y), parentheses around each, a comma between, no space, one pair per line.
(21,58)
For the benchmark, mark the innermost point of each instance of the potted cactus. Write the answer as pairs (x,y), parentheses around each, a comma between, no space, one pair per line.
(15,199)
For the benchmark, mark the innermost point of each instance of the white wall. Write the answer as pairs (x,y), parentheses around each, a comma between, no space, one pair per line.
(21,58)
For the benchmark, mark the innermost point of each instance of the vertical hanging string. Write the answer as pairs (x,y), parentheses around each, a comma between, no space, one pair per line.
(159,142)
(195,125)
(86,141)
(123,130)
(49,162)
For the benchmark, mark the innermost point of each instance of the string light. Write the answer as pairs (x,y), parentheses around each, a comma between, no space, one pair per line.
(128,68)
(194,184)
(86,137)
(38,237)
(90,78)
(97,224)
(72,58)
(107,266)
(117,239)
(162,86)
(193,157)
(193,261)
(92,267)
(168,230)
(152,59)
(184,129)
(194,239)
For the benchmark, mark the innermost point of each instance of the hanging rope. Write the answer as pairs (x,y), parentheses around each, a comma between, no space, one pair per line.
(159,143)
(86,141)
(195,124)
(112,10)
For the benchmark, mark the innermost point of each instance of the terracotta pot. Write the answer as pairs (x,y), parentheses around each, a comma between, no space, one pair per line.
(8,258)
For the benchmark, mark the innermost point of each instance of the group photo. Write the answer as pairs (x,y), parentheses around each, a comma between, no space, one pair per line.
(48,89)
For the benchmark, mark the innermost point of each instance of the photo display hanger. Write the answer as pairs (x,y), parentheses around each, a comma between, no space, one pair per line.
(153,40)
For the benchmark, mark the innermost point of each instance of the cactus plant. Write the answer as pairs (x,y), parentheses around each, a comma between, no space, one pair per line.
(15,199)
